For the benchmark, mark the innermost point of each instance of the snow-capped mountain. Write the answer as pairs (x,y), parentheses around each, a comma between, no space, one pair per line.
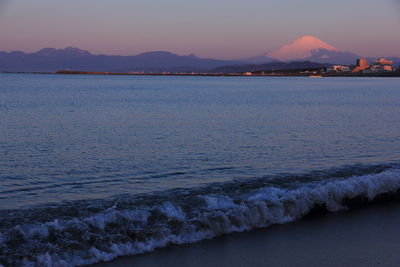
(310,48)
(300,49)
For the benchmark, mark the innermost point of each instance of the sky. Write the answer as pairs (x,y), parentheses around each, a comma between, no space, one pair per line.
(226,29)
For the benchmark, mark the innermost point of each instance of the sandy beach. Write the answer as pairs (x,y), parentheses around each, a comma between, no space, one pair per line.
(368,236)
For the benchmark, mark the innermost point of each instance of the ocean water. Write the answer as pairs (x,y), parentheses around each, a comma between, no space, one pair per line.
(96,167)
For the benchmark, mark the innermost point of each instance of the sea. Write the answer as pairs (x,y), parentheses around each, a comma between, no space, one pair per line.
(93,167)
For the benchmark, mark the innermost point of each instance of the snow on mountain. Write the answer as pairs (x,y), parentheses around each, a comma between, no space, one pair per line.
(310,48)
(300,49)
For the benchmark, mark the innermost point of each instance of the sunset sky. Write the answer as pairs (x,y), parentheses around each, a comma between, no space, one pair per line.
(208,28)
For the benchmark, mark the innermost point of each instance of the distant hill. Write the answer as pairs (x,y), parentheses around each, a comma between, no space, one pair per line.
(335,57)
(260,59)
(51,60)
(269,67)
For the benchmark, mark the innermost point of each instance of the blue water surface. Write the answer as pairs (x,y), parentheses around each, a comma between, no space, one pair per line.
(69,137)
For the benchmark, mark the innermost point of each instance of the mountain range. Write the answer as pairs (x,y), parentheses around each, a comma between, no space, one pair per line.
(304,49)
(50,59)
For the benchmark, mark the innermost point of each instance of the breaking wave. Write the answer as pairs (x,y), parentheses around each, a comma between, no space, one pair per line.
(86,232)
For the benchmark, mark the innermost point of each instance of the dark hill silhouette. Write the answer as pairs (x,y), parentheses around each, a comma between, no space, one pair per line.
(335,57)
(269,67)
(260,59)
(318,55)
(50,59)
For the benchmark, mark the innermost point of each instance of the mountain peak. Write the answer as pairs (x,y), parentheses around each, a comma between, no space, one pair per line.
(312,41)
(301,48)
(308,38)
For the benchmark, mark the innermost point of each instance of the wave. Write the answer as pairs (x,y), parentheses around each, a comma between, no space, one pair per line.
(86,232)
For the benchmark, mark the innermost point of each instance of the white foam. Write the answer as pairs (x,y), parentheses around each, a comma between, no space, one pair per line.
(172,212)
(219,214)
(218,202)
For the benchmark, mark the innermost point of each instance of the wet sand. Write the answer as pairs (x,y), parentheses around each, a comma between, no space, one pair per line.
(368,236)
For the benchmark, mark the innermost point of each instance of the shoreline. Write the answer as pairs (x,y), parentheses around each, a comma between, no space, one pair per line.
(383,75)
(365,236)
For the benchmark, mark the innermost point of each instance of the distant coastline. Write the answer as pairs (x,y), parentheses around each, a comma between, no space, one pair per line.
(276,73)
(312,53)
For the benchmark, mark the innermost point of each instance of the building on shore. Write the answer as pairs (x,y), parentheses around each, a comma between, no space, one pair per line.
(378,66)
(362,64)
(338,69)
(382,65)
(384,61)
